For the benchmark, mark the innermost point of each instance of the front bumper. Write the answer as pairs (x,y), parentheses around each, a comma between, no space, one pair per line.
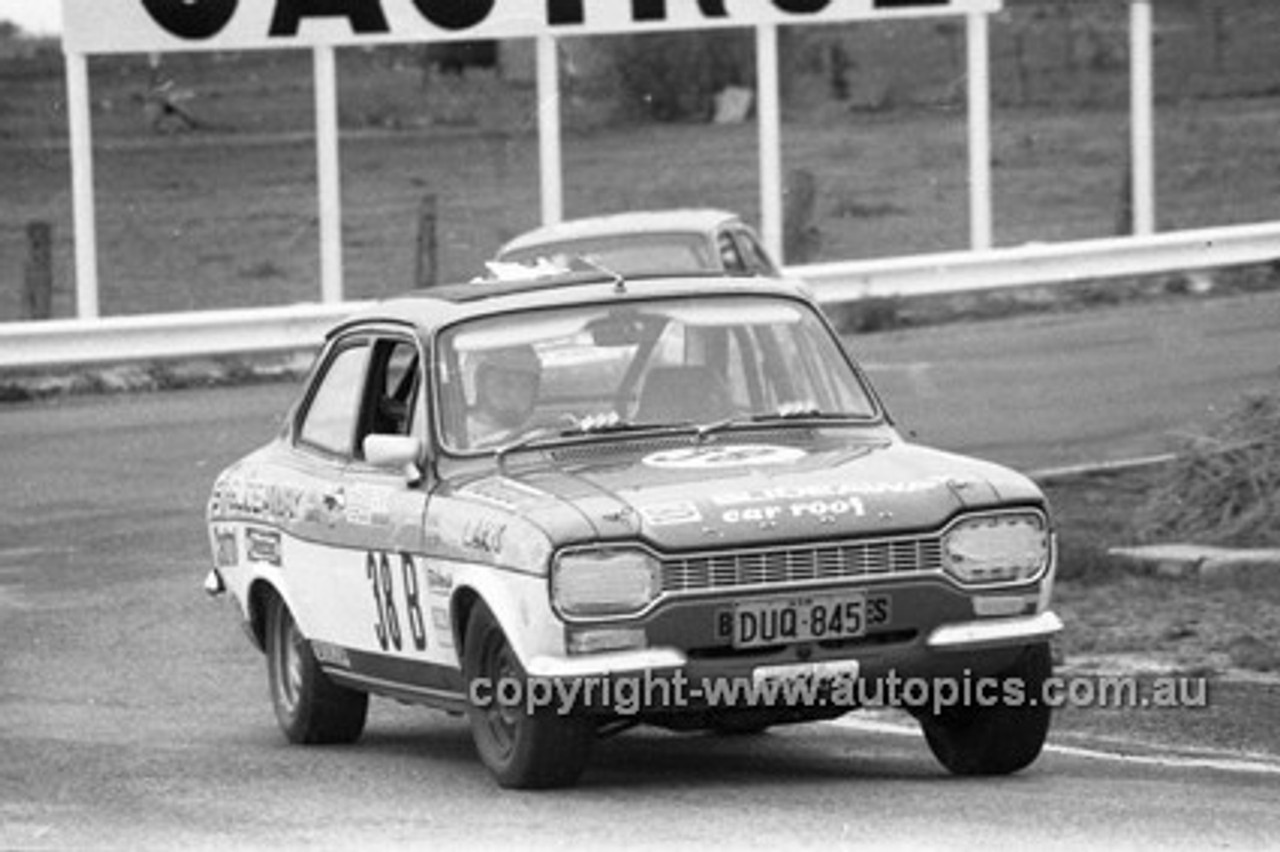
(946,647)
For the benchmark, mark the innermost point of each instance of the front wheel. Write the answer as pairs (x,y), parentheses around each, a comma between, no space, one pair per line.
(310,708)
(1000,738)
(523,749)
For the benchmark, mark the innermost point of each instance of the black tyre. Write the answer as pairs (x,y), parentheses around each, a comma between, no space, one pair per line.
(742,723)
(522,750)
(1001,738)
(310,707)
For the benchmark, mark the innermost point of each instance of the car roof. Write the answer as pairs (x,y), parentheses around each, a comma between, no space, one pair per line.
(433,307)
(692,219)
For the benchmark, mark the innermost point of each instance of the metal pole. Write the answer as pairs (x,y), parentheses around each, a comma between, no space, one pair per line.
(769,120)
(329,180)
(1142,123)
(86,237)
(549,160)
(979,78)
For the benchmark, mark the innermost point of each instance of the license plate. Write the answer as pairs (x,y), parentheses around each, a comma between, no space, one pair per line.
(807,618)
(816,673)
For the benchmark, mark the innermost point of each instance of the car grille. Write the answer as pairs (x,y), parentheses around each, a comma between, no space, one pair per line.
(784,566)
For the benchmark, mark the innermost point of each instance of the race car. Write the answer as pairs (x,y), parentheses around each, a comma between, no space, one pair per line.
(570,504)
(648,242)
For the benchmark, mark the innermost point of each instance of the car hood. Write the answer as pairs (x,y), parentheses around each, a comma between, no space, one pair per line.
(747,492)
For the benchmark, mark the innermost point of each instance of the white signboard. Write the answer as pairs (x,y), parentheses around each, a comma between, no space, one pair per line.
(156,26)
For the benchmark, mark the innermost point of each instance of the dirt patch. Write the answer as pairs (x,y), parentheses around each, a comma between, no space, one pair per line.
(1216,643)
(1187,624)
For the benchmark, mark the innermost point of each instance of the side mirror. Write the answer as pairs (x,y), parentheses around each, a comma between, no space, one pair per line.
(395,452)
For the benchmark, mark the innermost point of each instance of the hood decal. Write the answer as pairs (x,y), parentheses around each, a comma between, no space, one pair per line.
(674,512)
(722,456)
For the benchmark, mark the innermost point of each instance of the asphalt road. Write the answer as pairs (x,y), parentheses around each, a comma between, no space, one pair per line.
(1066,389)
(133,714)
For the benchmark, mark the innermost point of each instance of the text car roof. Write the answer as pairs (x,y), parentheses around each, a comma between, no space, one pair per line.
(434,307)
(700,220)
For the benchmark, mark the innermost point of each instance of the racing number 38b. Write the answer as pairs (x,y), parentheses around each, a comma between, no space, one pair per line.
(382,582)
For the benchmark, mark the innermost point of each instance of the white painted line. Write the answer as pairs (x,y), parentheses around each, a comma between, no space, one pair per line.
(1220,761)
(15,554)
(1172,761)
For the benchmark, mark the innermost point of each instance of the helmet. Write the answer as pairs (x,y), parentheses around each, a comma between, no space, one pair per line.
(512,359)
(507,383)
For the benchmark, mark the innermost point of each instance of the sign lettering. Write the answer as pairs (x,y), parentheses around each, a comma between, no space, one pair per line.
(364,17)
(125,26)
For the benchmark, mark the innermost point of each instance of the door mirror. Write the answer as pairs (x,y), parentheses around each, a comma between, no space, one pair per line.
(395,452)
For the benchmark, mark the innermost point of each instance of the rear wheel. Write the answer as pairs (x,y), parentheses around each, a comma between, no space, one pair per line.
(522,749)
(310,707)
(1003,737)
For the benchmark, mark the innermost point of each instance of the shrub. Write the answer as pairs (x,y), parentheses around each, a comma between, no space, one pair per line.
(675,76)
(1224,487)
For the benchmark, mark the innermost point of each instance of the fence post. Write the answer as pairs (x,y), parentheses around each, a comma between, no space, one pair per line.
(38,273)
(428,261)
(801,238)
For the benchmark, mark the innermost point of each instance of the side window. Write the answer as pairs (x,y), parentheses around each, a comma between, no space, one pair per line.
(330,420)
(394,382)
(757,259)
(729,255)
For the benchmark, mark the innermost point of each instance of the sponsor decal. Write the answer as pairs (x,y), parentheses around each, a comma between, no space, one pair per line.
(443,630)
(262,546)
(506,494)
(825,501)
(329,654)
(824,510)
(826,490)
(484,535)
(732,455)
(669,514)
(367,506)
(226,547)
(438,582)
(321,509)
(238,497)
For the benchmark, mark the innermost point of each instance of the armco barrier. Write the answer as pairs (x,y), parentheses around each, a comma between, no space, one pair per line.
(281,329)
(278,329)
(1044,263)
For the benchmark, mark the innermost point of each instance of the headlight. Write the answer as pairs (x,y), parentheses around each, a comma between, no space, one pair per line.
(604,582)
(997,549)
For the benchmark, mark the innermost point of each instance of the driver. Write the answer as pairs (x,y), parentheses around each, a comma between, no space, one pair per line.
(507,383)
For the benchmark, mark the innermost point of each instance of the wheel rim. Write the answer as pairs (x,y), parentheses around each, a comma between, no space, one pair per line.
(502,721)
(288,662)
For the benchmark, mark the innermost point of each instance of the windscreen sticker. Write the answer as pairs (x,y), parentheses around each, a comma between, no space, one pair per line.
(735,455)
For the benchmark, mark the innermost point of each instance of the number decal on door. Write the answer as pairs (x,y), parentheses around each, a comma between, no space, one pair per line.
(382,582)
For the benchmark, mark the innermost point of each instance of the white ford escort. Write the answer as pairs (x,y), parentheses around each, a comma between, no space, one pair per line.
(570,505)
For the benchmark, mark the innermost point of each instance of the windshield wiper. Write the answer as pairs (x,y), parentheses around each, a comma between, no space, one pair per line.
(523,441)
(781,415)
(590,425)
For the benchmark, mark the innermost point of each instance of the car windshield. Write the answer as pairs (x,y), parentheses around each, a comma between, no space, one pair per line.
(712,362)
(626,254)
